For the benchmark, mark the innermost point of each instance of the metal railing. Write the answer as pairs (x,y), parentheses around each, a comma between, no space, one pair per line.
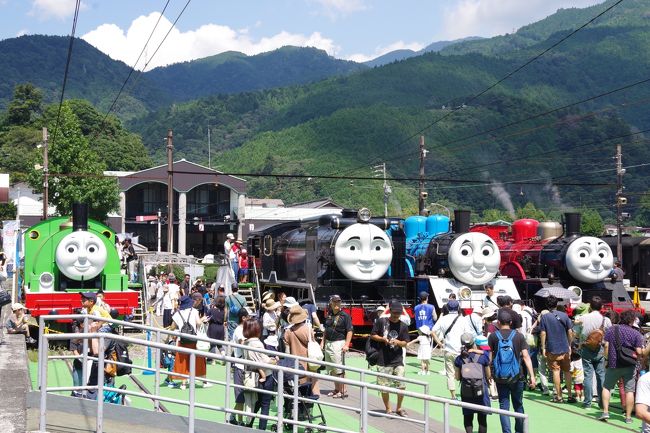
(363,410)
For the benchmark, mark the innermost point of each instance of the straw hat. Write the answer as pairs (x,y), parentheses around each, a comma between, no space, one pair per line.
(271,305)
(297,314)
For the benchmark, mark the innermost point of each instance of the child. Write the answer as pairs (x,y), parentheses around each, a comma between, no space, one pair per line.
(470,367)
(578,375)
(424,350)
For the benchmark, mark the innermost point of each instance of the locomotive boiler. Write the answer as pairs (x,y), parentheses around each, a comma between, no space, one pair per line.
(352,255)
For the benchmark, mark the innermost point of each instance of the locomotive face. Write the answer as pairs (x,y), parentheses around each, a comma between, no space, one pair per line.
(81,255)
(474,258)
(589,259)
(363,252)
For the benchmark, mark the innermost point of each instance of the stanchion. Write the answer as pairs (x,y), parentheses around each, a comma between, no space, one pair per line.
(149,363)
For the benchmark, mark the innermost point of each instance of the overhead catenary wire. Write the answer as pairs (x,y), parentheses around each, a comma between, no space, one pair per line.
(67,68)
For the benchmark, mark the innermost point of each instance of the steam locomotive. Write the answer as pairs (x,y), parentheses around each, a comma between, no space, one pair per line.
(352,255)
(548,255)
(457,261)
(65,256)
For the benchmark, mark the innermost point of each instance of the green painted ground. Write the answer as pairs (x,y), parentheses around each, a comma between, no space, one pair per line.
(544,416)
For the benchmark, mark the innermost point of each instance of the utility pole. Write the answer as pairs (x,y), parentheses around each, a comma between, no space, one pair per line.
(620,202)
(159,234)
(46,183)
(422,195)
(209,159)
(170,192)
(381,169)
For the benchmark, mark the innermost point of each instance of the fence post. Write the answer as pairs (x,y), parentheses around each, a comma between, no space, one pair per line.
(426,409)
(364,408)
(42,348)
(294,410)
(100,384)
(84,360)
(445,418)
(42,375)
(526,424)
(156,380)
(229,371)
(192,385)
(280,401)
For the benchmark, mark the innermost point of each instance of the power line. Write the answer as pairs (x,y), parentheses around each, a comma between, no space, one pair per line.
(510,74)
(67,67)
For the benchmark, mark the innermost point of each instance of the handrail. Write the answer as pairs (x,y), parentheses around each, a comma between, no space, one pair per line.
(227,343)
(193,353)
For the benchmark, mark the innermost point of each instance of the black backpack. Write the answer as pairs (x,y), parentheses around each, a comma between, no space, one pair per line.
(122,352)
(187,329)
(373,348)
(472,374)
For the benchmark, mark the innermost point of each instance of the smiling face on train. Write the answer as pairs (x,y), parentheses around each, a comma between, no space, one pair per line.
(363,252)
(81,255)
(589,259)
(474,258)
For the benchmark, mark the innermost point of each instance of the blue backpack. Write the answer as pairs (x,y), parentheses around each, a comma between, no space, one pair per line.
(505,364)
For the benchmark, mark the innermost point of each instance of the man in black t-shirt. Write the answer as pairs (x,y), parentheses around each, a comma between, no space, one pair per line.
(336,341)
(505,302)
(394,336)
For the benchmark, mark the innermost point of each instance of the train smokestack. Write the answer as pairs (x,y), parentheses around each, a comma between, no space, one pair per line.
(79,217)
(572,224)
(461,221)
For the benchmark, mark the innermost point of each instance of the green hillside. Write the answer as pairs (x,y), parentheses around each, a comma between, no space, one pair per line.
(234,72)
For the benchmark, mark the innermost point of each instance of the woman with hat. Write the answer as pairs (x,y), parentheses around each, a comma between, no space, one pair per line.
(297,338)
(189,315)
(270,319)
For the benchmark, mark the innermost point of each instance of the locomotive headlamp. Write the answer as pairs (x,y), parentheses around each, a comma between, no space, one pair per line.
(46,281)
(465,293)
(363,215)
(577,290)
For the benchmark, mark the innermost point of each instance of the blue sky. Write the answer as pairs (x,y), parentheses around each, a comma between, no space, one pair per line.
(349,29)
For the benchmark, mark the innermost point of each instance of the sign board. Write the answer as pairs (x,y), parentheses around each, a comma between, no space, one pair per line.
(201,227)
(142,218)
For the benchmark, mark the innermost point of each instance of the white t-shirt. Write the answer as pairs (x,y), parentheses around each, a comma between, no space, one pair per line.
(577,372)
(452,340)
(190,315)
(592,321)
(643,397)
(238,337)
(227,248)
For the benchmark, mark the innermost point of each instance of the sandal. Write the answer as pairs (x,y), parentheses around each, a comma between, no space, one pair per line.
(557,400)
(402,413)
(334,394)
(389,412)
(340,395)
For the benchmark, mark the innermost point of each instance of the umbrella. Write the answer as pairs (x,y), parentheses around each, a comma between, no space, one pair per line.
(558,292)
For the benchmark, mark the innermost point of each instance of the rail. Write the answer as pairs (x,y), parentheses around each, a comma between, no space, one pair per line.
(363,410)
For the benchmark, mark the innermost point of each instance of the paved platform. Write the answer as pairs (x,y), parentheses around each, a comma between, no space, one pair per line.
(14,382)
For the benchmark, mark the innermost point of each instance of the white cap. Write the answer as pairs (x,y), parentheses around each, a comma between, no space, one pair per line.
(230,236)
(17,306)
(290,302)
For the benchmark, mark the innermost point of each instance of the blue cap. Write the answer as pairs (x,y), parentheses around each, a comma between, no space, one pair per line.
(453,305)
(89,295)
(185,302)
(424,295)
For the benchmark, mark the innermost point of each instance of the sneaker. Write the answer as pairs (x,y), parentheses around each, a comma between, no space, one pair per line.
(628,420)
(183,387)
(586,405)
(207,385)
(571,400)
(604,416)
(30,340)
(171,385)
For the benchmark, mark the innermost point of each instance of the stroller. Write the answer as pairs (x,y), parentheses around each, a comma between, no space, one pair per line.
(310,412)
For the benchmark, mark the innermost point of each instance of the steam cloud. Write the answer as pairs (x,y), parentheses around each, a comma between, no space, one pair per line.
(502,195)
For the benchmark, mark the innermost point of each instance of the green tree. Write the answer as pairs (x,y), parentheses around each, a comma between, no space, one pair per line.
(591,223)
(530,211)
(489,215)
(77,171)
(642,217)
(27,102)
(7,211)
(18,151)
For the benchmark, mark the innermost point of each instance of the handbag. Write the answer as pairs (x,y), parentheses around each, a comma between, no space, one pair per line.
(314,352)
(251,379)
(200,344)
(625,357)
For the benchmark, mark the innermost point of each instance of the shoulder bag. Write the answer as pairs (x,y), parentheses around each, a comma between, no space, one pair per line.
(625,357)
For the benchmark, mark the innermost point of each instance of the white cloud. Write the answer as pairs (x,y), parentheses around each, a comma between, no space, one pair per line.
(58,9)
(207,40)
(333,8)
(22,32)
(495,17)
(380,51)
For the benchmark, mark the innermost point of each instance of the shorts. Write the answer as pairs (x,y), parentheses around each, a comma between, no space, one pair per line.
(578,386)
(612,375)
(561,361)
(393,383)
(243,272)
(334,354)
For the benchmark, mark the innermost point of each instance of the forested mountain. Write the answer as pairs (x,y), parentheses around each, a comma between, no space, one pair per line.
(344,125)
(234,72)
(398,55)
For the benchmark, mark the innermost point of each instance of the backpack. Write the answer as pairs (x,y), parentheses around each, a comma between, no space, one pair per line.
(505,364)
(472,374)
(232,308)
(187,329)
(373,348)
(595,338)
(122,355)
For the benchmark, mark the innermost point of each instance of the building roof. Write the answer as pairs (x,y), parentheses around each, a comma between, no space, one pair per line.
(187,175)
(264,202)
(318,204)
